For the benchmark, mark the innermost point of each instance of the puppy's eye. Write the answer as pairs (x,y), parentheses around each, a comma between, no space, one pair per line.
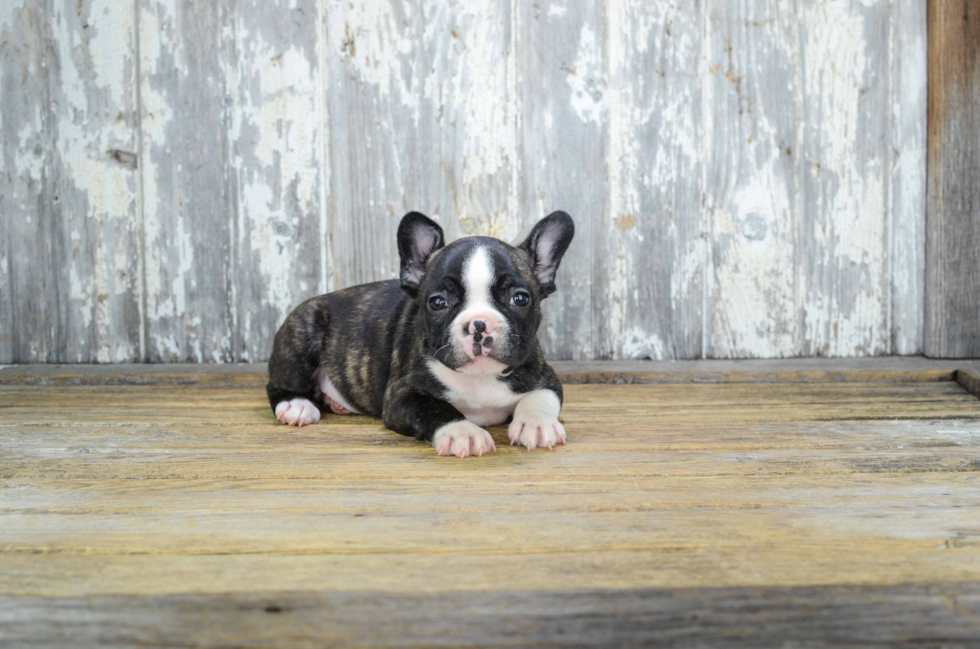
(520,299)
(438,303)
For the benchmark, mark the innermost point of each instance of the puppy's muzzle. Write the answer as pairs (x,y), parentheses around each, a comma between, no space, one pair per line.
(479,334)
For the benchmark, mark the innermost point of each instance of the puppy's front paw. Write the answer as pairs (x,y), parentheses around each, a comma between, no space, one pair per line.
(297,412)
(462,438)
(535,430)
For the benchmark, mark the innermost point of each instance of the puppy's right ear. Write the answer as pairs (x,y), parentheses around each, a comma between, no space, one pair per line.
(418,237)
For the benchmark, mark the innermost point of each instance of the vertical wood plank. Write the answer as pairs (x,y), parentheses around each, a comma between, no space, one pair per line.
(953,219)
(373,94)
(752,180)
(276,137)
(30,324)
(565,84)
(190,193)
(96,165)
(650,250)
(843,237)
(469,118)
(70,156)
(908,98)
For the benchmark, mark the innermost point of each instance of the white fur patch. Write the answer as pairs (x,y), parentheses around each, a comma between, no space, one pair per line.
(536,422)
(462,438)
(482,398)
(331,393)
(478,278)
(297,412)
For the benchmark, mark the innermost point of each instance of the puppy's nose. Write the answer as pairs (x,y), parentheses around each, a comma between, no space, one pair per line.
(478,327)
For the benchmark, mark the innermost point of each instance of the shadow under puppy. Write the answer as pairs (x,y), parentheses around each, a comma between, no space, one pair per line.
(450,347)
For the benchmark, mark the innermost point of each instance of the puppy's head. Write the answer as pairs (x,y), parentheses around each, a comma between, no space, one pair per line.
(480,298)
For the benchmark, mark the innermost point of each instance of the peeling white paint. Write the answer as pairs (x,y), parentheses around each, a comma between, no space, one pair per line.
(372,41)
(96,194)
(287,147)
(480,74)
(908,94)
(621,160)
(847,174)
(639,344)
(556,10)
(158,41)
(755,145)
(587,79)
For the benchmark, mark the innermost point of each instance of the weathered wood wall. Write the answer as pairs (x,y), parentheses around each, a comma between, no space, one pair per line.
(747,178)
(953,252)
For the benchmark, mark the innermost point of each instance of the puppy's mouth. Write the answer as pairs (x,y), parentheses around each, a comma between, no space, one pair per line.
(482,365)
(479,346)
(463,363)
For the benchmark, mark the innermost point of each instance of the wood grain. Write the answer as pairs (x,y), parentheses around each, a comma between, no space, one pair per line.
(705,617)
(69,183)
(565,85)
(844,272)
(470,115)
(29,319)
(952,308)
(908,96)
(162,512)
(648,287)
(372,99)
(190,206)
(747,178)
(277,131)
(752,180)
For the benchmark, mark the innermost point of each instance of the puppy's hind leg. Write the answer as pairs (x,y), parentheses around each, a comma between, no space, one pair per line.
(331,395)
(294,364)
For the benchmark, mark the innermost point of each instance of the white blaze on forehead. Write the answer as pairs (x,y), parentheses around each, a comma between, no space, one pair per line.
(477,279)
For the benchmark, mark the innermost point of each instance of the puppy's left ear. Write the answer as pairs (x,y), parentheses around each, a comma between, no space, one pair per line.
(418,237)
(547,244)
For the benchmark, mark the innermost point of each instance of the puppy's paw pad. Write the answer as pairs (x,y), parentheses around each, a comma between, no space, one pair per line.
(297,412)
(462,438)
(536,431)
(336,408)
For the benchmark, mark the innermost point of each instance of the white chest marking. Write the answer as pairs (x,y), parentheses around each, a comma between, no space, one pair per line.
(482,398)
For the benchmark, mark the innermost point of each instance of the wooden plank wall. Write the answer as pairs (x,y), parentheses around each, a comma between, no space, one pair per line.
(747,178)
(953,253)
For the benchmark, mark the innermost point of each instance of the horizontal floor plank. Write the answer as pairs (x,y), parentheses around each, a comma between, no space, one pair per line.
(126,507)
(855,562)
(945,615)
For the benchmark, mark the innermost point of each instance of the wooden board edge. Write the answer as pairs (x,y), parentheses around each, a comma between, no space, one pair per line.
(970,381)
(620,377)
(808,376)
(206,379)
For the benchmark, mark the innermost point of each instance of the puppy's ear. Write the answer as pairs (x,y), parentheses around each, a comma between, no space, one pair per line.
(547,244)
(418,237)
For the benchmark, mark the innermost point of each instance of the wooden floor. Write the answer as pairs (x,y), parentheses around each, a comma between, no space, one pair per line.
(177,511)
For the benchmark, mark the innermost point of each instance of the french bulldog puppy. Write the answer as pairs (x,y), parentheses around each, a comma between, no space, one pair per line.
(438,354)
